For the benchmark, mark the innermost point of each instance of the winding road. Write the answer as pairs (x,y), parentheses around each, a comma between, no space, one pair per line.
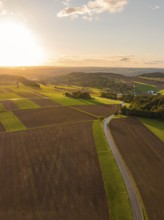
(135,203)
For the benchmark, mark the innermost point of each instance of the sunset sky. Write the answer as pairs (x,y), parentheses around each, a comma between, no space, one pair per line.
(114,33)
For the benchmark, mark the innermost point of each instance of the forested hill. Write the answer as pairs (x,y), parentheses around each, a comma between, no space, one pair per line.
(99,80)
(154,75)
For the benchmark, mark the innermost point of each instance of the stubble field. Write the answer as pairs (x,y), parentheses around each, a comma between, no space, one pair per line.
(51,173)
(143,153)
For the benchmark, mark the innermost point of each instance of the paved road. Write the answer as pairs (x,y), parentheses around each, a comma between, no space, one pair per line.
(136,208)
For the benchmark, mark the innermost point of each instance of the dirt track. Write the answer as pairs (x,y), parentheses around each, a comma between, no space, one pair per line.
(51,174)
(143,153)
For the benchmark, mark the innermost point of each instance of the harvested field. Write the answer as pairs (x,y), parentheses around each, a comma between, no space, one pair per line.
(50,116)
(28,95)
(99,110)
(45,102)
(143,153)
(51,174)
(9,105)
(1,127)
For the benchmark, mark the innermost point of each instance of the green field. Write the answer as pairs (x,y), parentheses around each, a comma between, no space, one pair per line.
(8,95)
(157,127)
(106,101)
(162,92)
(25,104)
(59,97)
(143,87)
(11,122)
(118,200)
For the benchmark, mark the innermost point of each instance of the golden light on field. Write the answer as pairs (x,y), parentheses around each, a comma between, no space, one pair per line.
(18,46)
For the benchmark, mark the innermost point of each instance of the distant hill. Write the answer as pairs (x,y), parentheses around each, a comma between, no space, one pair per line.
(12,79)
(154,75)
(44,72)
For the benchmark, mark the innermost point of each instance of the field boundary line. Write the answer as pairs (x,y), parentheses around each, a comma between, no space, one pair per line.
(48,126)
(82,111)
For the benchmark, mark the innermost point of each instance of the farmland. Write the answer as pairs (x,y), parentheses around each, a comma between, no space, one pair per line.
(50,116)
(55,129)
(56,164)
(51,173)
(143,153)
(99,110)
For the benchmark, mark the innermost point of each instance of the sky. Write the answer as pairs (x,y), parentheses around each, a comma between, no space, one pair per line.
(104,33)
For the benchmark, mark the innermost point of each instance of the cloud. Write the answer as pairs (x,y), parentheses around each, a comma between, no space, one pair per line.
(94,60)
(155,7)
(125,59)
(154,62)
(93,8)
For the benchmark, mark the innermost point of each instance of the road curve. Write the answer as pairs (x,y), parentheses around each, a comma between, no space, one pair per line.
(136,208)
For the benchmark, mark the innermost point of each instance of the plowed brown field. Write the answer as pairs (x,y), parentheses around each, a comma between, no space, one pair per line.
(99,110)
(51,174)
(28,95)
(44,102)
(143,153)
(9,105)
(50,116)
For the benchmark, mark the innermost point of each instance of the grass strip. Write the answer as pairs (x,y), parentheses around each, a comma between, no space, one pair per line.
(25,104)
(11,122)
(155,126)
(117,195)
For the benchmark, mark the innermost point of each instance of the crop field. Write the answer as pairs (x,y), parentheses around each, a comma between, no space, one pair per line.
(29,95)
(50,116)
(44,102)
(10,122)
(9,105)
(8,95)
(99,110)
(143,153)
(156,126)
(25,103)
(51,173)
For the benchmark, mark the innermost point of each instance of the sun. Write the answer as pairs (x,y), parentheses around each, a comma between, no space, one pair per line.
(18,46)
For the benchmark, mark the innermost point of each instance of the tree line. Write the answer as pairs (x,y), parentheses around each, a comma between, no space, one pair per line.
(146,106)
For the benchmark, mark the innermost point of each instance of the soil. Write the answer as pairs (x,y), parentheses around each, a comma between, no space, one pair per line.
(51,174)
(50,116)
(100,110)
(9,105)
(143,153)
